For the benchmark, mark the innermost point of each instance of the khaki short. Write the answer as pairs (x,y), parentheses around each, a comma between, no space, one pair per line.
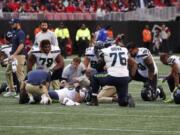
(107,91)
(36,89)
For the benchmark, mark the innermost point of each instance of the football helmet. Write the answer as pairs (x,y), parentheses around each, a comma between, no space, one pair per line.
(147,93)
(162,94)
(3,87)
(176,96)
(97,48)
(88,96)
(108,43)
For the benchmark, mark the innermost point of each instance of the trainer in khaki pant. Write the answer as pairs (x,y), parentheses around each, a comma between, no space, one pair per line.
(19,71)
(107,94)
(17,53)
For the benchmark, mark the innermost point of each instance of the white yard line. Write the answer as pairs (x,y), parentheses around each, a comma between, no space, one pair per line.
(93,114)
(92,129)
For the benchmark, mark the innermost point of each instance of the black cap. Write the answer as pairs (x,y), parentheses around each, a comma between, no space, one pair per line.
(13,21)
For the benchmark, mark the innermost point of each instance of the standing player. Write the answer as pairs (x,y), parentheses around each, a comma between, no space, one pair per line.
(116,59)
(173,79)
(45,34)
(48,59)
(147,71)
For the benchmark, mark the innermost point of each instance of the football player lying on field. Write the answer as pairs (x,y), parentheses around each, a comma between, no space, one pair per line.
(70,95)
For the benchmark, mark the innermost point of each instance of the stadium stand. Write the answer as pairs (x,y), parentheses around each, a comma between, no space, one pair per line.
(80,6)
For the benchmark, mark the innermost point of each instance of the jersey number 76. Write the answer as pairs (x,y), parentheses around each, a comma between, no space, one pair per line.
(119,56)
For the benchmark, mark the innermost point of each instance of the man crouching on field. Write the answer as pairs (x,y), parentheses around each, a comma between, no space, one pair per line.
(37,83)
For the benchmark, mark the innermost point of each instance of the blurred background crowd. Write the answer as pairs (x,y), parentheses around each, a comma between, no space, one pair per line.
(82,6)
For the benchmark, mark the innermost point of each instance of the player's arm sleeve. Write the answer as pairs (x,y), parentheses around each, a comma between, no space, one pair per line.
(59,63)
(30,62)
(54,40)
(132,66)
(175,74)
(100,63)
(149,62)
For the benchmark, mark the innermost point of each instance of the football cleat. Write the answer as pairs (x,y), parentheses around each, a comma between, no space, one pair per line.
(9,94)
(131,102)
(170,100)
(93,102)
(162,94)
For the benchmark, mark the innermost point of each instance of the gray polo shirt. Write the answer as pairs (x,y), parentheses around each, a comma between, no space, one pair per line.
(69,72)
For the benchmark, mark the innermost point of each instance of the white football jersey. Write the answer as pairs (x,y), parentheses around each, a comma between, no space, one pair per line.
(116,59)
(66,93)
(49,35)
(142,54)
(91,54)
(174,60)
(36,48)
(6,49)
(45,61)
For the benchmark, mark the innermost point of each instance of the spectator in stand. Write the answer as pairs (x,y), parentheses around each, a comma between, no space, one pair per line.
(63,36)
(147,37)
(83,37)
(100,12)
(72,6)
(13,5)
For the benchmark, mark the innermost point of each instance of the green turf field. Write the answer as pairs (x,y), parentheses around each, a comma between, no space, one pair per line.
(147,118)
